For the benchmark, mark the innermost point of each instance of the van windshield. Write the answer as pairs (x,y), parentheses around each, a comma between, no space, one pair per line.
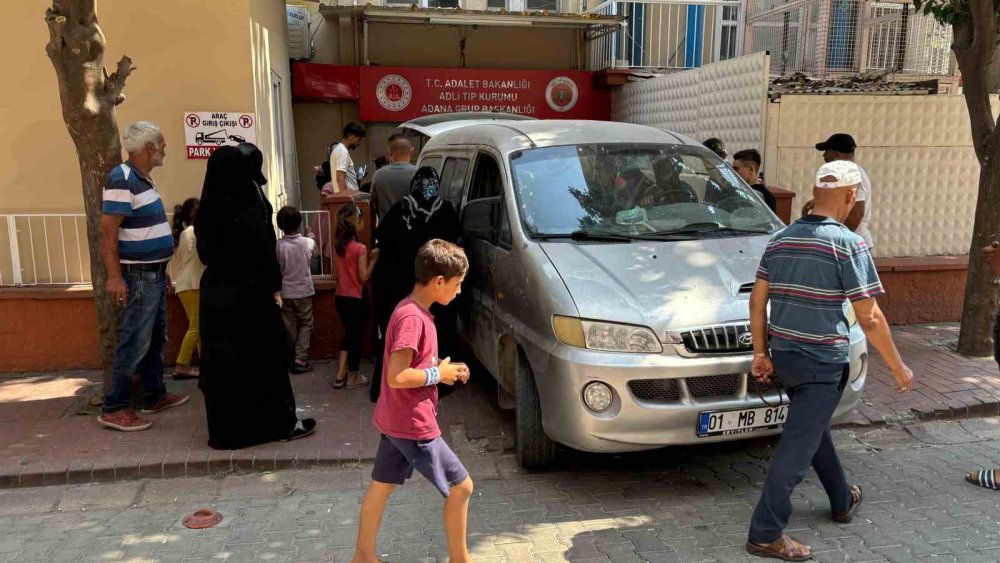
(634,190)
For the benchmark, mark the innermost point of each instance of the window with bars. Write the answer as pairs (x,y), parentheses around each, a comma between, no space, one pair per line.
(728,48)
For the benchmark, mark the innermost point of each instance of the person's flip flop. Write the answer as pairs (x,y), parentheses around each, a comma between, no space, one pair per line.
(362,382)
(782,551)
(986,479)
(846,517)
(340,383)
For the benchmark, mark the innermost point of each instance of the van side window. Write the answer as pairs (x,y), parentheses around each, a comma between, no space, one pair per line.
(487,182)
(432,161)
(453,179)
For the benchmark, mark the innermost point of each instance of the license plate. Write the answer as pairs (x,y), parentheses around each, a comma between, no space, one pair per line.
(721,423)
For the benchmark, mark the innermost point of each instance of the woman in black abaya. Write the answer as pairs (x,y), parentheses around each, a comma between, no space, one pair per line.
(414,220)
(244,375)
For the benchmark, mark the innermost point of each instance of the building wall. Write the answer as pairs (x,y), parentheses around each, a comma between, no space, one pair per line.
(269,37)
(916,149)
(191,56)
(338,42)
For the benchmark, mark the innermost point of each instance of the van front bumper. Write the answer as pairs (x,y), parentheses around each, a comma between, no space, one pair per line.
(635,422)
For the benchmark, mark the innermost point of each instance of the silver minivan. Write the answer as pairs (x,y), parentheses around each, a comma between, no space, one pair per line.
(608,293)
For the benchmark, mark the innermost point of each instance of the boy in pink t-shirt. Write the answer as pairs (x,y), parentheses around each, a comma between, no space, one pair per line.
(406,412)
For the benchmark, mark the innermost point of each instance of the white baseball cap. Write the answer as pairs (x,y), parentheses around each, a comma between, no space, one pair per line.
(847,174)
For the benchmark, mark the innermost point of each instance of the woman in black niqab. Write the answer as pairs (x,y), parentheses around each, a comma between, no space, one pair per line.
(419,217)
(245,355)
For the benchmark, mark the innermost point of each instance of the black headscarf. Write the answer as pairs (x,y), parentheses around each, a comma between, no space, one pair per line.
(226,197)
(423,200)
(255,160)
(256,157)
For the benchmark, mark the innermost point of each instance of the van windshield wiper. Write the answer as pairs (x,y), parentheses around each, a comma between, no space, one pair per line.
(701,230)
(600,236)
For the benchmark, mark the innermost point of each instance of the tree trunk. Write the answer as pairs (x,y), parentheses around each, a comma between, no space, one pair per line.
(975,46)
(980,307)
(88,96)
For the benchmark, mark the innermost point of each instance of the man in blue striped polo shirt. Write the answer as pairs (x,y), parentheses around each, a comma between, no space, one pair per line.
(808,271)
(136,244)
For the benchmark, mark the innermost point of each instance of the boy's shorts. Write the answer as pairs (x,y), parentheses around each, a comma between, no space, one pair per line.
(398,457)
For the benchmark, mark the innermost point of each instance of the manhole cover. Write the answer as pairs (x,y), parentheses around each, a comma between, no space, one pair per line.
(204,518)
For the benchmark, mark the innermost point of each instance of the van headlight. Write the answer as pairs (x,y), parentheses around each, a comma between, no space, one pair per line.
(852,319)
(606,337)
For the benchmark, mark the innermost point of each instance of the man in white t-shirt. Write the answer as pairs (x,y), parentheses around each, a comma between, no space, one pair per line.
(841,146)
(341,165)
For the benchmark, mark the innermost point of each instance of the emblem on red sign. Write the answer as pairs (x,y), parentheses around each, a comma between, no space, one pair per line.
(394,92)
(562,94)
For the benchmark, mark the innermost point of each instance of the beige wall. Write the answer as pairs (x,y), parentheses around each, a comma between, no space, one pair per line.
(269,55)
(486,47)
(191,56)
(916,149)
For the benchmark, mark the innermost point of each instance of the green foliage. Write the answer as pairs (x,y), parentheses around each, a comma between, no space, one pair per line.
(949,12)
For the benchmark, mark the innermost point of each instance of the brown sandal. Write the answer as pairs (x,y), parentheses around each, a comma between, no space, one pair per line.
(785,548)
(857,495)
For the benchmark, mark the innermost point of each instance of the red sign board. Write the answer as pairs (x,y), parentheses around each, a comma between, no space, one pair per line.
(400,94)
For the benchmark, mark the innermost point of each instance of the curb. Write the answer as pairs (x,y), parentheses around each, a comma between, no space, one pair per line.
(205,464)
(166,466)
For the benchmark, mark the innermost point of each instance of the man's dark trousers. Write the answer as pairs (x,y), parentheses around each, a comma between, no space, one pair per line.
(814,389)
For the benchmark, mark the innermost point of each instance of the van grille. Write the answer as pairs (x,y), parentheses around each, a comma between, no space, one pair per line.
(659,390)
(719,339)
(713,385)
(704,387)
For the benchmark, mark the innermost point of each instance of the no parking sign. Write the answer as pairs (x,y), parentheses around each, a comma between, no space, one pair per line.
(205,131)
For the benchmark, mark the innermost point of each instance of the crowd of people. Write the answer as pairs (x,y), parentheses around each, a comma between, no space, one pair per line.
(248,295)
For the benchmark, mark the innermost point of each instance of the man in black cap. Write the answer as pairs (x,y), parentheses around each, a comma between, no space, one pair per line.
(840,146)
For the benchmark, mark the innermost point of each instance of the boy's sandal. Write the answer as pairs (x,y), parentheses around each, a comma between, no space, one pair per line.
(362,382)
(986,479)
(785,549)
(340,383)
(857,495)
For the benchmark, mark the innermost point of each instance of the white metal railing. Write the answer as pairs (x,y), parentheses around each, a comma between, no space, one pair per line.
(837,37)
(51,249)
(667,34)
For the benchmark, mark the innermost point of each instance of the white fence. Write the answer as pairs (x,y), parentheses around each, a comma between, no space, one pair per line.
(52,249)
(727,100)
(838,37)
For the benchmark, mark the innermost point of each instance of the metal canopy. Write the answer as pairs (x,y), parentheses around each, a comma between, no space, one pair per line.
(594,25)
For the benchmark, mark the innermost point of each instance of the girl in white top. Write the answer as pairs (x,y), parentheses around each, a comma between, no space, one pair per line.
(187,270)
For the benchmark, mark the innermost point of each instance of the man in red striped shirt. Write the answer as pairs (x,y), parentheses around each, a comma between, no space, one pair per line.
(809,273)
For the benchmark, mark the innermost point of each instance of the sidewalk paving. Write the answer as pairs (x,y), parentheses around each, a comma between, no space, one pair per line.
(48,434)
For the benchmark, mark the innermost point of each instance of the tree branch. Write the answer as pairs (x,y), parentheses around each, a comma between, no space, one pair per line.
(115,83)
(974,47)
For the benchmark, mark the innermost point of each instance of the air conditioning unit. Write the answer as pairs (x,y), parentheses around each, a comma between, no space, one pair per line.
(300,45)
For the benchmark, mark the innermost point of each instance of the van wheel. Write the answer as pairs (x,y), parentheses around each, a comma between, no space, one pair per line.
(534,449)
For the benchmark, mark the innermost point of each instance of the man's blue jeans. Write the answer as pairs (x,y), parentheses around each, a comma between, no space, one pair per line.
(141,335)
(814,389)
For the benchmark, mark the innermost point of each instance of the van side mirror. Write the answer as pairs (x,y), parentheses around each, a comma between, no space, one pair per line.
(480,217)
